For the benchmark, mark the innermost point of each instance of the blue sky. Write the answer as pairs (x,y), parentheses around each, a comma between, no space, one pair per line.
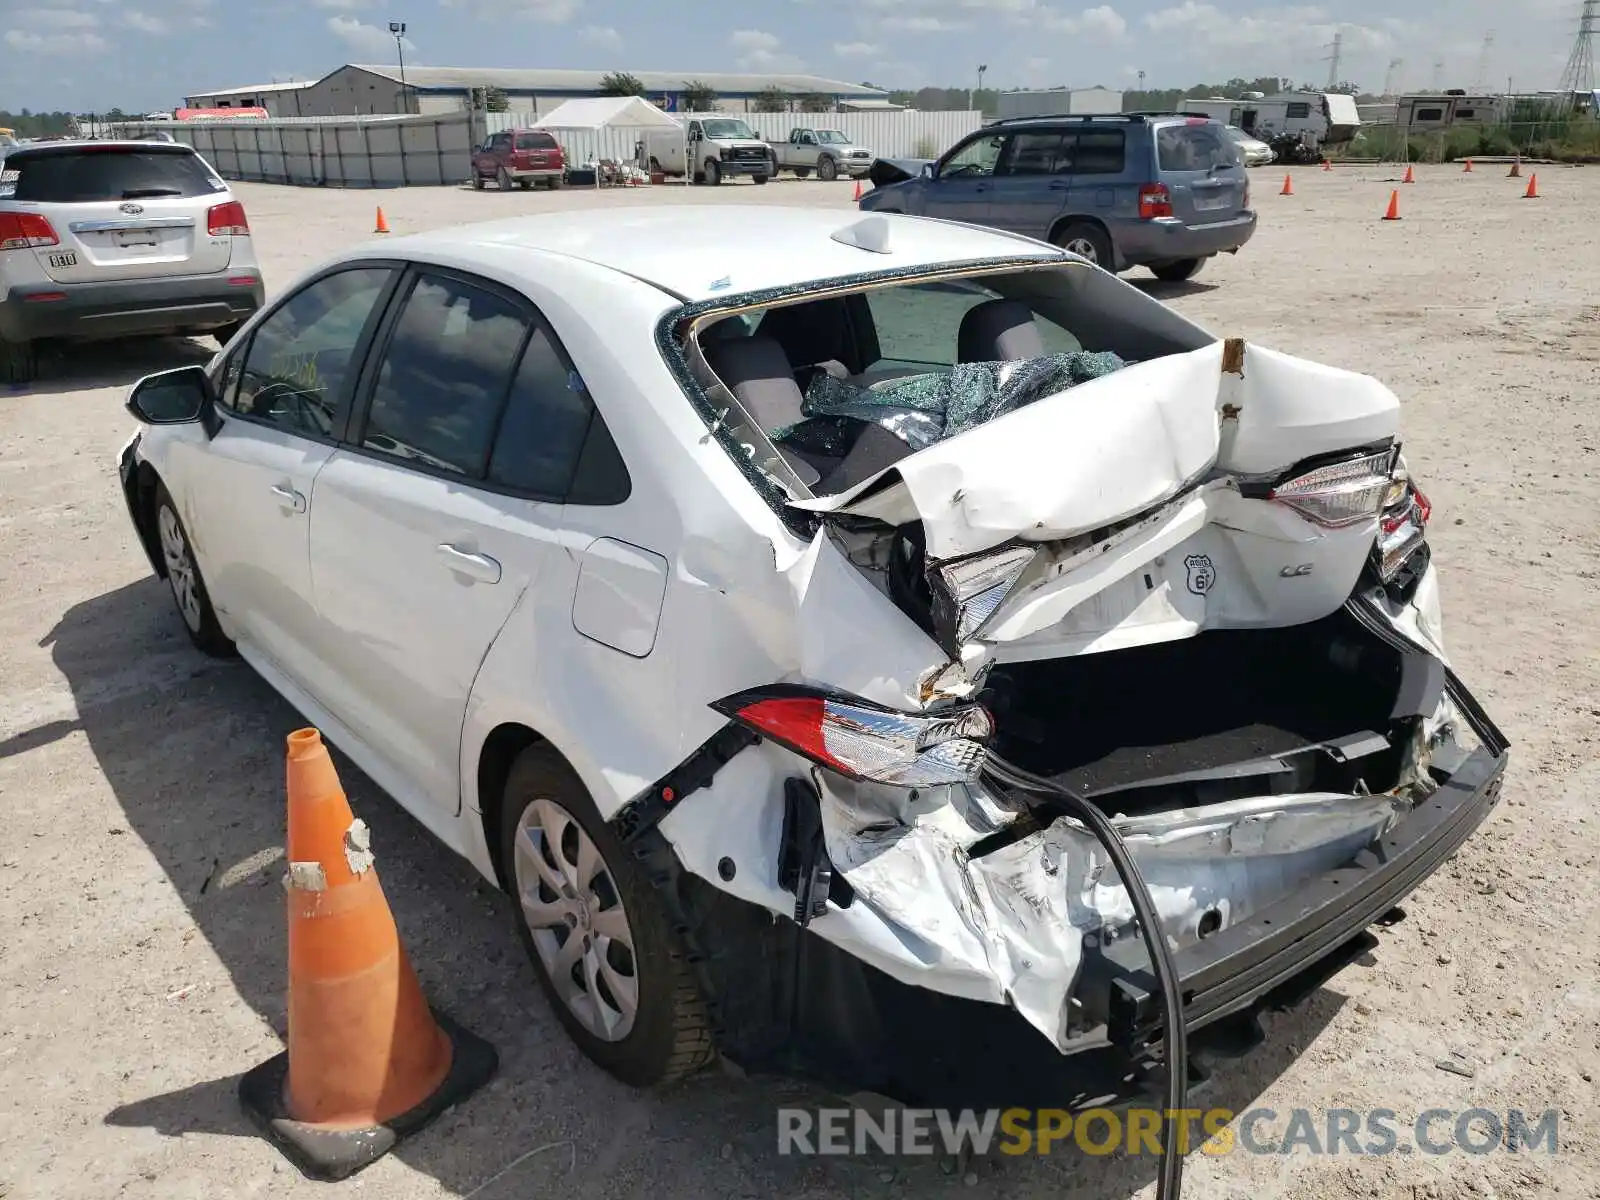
(90,54)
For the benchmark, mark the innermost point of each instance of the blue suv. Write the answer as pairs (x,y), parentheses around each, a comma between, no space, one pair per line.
(1159,190)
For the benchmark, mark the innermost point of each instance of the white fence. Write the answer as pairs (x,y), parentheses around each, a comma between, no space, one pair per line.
(402,151)
(354,152)
(887,134)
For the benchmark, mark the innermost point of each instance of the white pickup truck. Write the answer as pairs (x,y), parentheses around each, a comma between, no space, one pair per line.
(828,152)
(716,147)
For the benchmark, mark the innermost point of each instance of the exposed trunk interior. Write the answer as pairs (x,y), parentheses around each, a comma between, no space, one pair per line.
(1220,716)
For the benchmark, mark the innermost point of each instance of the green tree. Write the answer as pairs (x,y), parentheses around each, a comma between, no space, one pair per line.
(698,96)
(771,100)
(816,102)
(495,100)
(620,83)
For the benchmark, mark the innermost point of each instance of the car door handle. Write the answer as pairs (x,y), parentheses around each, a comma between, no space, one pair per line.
(476,566)
(289,499)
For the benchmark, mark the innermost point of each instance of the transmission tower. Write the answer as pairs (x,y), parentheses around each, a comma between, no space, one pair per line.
(1333,59)
(1392,78)
(1480,82)
(1579,75)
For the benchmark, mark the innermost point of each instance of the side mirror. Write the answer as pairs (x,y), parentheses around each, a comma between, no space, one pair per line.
(175,397)
(927,170)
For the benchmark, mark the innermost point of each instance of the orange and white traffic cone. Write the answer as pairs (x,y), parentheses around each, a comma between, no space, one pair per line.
(1410,175)
(1533,187)
(368,1063)
(382,226)
(1467,170)
(1394,206)
(1288,187)
(858,189)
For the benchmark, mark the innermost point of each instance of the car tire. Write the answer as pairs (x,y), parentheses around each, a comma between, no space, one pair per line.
(827,169)
(1177,272)
(503,179)
(713,172)
(184,580)
(759,178)
(1089,241)
(801,172)
(227,333)
(555,183)
(548,826)
(524,184)
(19,361)
(477,182)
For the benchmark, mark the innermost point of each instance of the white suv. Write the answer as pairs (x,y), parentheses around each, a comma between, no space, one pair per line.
(715,579)
(113,239)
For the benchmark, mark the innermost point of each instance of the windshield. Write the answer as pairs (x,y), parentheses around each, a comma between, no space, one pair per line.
(832,137)
(726,129)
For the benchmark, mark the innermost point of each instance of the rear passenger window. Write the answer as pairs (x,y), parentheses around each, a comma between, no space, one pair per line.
(546,420)
(444,375)
(1037,154)
(1100,152)
(295,370)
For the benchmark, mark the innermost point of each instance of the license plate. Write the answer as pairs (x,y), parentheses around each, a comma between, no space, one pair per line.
(67,259)
(126,238)
(1211,203)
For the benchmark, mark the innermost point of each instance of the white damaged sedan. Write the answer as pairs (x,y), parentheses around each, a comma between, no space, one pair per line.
(778,602)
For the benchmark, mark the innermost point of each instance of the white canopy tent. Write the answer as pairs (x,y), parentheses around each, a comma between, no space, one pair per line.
(601,113)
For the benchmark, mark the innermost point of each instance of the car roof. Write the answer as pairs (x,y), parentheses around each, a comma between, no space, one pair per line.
(700,252)
(48,149)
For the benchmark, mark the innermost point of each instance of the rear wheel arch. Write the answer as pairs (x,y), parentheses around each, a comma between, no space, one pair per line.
(499,751)
(1063,223)
(1093,225)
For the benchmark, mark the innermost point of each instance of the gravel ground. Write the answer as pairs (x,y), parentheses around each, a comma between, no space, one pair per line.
(141,965)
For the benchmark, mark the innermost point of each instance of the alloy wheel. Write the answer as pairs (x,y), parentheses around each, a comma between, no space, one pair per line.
(181,574)
(1084,248)
(575,915)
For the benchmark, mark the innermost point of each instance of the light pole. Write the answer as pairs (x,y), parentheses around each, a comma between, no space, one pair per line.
(398,28)
(976,103)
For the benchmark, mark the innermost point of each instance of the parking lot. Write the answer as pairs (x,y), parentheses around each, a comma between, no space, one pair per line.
(142,953)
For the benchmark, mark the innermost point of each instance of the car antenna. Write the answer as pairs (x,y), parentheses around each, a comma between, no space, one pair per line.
(869,233)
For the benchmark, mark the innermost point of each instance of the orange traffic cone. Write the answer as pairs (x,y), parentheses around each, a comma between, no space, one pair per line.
(1394,206)
(1288,187)
(1410,177)
(382,225)
(1467,170)
(1516,169)
(1326,165)
(368,1063)
(1533,187)
(858,189)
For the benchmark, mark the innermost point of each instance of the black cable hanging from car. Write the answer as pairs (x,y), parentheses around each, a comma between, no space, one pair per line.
(1174,1033)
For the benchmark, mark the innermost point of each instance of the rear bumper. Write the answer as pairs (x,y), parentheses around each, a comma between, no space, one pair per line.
(536,172)
(1140,243)
(123,308)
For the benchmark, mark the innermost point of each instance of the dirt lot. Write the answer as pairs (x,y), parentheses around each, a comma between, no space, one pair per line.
(141,959)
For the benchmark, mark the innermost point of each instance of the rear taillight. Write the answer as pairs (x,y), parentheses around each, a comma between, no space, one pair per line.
(1154,201)
(863,740)
(1403,525)
(1340,493)
(227,219)
(26,231)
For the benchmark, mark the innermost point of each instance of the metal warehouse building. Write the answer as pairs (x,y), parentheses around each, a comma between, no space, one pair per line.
(353,89)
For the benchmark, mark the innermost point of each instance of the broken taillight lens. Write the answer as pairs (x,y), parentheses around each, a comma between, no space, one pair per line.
(1403,525)
(1341,493)
(863,740)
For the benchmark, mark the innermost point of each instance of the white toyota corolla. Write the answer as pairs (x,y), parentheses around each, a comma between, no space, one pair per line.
(845,636)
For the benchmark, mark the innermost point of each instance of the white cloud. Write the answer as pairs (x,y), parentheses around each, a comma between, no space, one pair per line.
(56,43)
(1102,22)
(761,51)
(366,40)
(143,22)
(754,41)
(56,18)
(920,24)
(551,12)
(603,36)
(342,4)
(855,49)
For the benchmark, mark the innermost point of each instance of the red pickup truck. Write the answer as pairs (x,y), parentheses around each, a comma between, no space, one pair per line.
(525,156)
